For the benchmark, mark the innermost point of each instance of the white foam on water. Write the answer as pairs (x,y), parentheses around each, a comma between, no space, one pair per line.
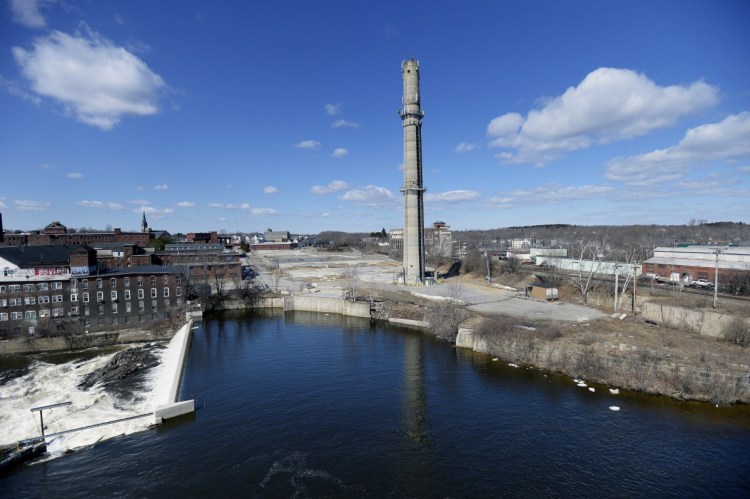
(47,384)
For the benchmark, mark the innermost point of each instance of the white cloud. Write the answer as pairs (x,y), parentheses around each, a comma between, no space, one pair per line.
(94,80)
(2,204)
(74,175)
(264,211)
(307,144)
(464,147)
(726,140)
(336,185)
(185,204)
(154,212)
(745,169)
(333,109)
(139,202)
(344,123)
(553,193)
(161,187)
(339,152)
(610,104)
(371,195)
(100,205)
(28,205)
(230,206)
(269,189)
(27,12)
(456,196)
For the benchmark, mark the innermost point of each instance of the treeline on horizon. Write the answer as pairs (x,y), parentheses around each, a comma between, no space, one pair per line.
(642,235)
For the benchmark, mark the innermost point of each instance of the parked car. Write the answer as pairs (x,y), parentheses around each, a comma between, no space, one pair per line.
(702,283)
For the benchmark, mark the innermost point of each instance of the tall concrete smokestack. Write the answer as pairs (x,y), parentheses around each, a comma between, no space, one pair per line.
(413,189)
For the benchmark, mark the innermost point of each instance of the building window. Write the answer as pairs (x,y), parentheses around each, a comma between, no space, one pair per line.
(113,294)
(30,314)
(100,309)
(166,292)
(126,281)
(113,282)
(2,289)
(57,298)
(73,283)
(3,316)
(178,291)
(114,320)
(3,303)
(114,308)
(140,318)
(153,280)
(57,285)
(99,283)
(178,279)
(86,311)
(44,299)
(141,306)
(44,313)
(87,322)
(14,302)
(16,315)
(154,304)
(73,296)
(30,300)
(73,310)
(127,307)
(127,294)
(28,288)
(141,294)
(85,297)
(140,280)
(58,312)
(100,321)
(166,279)
(153,292)
(100,296)
(14,288)
(42,286)
(85,284)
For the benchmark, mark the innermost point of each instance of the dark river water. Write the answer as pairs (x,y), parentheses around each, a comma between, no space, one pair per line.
(308,405)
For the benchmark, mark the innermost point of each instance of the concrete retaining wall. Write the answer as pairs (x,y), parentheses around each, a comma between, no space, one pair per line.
(704,322)
(169,407)
(183,337)
(409,322)
(327,306)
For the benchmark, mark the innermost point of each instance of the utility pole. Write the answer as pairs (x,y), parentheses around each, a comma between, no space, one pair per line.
(716,275)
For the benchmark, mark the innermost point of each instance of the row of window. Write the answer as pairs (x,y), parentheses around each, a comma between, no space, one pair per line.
(125,281)
(33,300)
(127,319)
(29,300)
(60,312)
(113,294)
(55,285)
(31,287)
(32,314)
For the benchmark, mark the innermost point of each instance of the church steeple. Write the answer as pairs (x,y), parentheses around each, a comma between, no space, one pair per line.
(144,224)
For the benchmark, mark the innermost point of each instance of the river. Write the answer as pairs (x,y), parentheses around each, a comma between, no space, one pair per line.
(313,405)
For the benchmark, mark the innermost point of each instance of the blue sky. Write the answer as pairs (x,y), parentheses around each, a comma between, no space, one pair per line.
(241,116)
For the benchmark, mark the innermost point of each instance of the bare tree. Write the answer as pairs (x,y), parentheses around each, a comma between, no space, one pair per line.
(589,254)
(351,283)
